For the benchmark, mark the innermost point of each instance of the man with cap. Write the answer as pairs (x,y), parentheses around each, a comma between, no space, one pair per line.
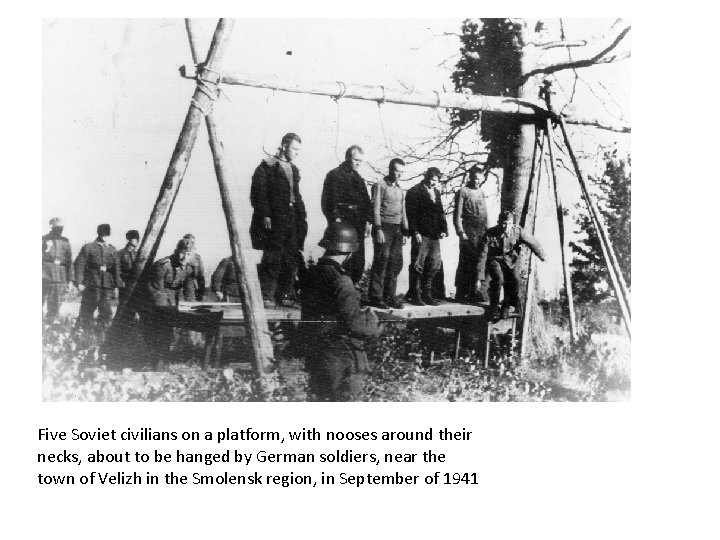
(126,261)
(426,218)
(194,289)
(336,359)
(96,276)
(279,222)
(470,220)
(164,287)
(499,251)
(345,198)
(57,268)
(224,281)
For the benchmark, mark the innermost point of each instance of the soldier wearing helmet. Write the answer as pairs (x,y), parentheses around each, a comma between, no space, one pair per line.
(57,268)
(335,348)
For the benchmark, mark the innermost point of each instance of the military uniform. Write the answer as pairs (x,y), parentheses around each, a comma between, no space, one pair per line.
(499,253)
(275,194)
(57,271)
(161,294)
(126,262)
(96,269)
(194,287)
(345,197)
(224,280)
(336,358)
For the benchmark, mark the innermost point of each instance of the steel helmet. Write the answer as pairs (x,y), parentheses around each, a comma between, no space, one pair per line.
(340,238)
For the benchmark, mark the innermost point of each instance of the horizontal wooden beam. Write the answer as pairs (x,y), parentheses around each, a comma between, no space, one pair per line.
(382,94)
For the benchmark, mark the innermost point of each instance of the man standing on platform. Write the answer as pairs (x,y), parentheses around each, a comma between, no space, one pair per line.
(57,268)
(335,348)
(499,251)
(390,227)
(345,198)
(426,217)
(96,276)
(279,222)
(126,262)
(470,220)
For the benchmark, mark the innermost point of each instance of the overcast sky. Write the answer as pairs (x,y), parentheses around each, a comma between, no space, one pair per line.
(113,106)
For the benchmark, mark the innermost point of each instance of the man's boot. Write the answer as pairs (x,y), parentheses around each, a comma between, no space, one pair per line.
(427,295)
(417,294)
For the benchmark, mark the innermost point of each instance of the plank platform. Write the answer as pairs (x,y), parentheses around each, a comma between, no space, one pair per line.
(232,312)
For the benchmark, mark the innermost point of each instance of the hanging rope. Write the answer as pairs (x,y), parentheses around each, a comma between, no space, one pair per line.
(337,98)
(388,142)
(267,124)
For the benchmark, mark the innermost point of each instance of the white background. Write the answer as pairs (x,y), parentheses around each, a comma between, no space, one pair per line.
(645,469)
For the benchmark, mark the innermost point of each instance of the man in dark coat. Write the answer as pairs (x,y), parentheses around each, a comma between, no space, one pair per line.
(499,251)
(165,285)
(470,220)
(345,198)
(57,268)
(126,262)
(96,276)
(224,281)
(194,289)
(428,225)
(336,358)
(279,222)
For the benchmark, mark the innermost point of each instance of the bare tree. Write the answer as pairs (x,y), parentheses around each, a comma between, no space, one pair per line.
(513,58)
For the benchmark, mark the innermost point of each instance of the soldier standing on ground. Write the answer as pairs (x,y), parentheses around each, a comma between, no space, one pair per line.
(426,218)
(345,198)
(390,227)
(470,220)
(499,251)
(167,279)
(57,270)
(126,262)
(96,276)
(336,358)
(224,281)
(194,289)
(279,222)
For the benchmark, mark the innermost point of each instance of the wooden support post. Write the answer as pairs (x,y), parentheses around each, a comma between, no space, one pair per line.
(246,273)
(530,287)
(616,279)
(201,103)
(563,240)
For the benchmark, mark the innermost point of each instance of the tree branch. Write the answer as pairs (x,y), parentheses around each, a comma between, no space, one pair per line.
(595,52)
(556,44)
(609,124)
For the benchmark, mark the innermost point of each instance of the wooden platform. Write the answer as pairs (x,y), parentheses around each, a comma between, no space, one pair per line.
(219,320)
(233,314)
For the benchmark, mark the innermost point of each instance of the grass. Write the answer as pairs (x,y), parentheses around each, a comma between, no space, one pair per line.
(407,364)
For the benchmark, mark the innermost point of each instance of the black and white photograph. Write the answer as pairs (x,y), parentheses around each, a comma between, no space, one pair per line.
(325,210)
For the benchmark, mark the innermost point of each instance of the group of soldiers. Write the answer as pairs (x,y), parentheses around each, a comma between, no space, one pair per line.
(328,292)
(101,273)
